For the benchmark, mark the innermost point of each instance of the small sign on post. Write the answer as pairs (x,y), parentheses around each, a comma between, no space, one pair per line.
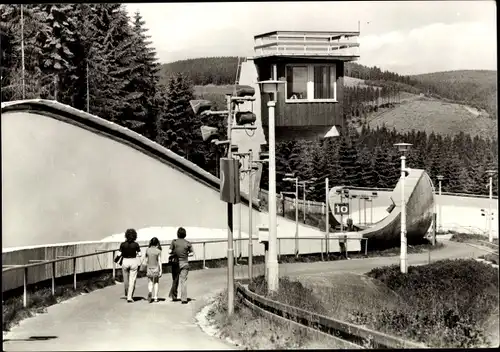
(230,180)
(341,208)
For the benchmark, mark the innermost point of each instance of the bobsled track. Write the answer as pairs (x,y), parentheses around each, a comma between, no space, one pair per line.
(68,176)
(419,199)
(71,179)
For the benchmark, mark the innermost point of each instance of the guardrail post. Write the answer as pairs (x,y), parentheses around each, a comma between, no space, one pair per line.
(53,278)
(366,246)
(74,274)
(204,255)
(25,285)
(113,264)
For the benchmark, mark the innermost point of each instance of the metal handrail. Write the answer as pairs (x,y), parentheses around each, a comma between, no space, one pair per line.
(348,331)
(313,203)
(11,267)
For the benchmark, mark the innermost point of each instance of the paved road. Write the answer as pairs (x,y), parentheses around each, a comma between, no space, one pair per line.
(102,320)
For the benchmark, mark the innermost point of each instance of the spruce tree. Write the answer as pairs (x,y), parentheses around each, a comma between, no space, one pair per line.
(143,80)
(177,128)
(58,58)
(348,162)
(35,30)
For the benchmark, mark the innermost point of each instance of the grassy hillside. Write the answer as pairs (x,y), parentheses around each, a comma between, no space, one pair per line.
(414,112)
(459,100)
(477,88)
(433,115)
(203,71)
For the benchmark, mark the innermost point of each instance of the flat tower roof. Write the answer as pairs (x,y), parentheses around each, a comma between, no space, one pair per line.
(339,45)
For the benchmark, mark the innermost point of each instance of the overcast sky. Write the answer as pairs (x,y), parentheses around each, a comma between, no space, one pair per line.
(407,37)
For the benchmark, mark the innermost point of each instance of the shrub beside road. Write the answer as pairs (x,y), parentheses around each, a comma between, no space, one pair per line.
(445,304)
(448,303)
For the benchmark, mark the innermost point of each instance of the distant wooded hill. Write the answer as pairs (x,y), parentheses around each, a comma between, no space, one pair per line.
(476,88)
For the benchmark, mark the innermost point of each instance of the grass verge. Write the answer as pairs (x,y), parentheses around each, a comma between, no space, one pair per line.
(449,303)
(314,257)
(253,331)
(445,304)
(40,299)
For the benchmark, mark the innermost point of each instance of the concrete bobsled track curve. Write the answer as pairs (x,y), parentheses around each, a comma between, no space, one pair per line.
(69,176)
(420,201)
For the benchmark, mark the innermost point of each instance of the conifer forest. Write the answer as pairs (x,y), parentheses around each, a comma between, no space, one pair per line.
(95,58)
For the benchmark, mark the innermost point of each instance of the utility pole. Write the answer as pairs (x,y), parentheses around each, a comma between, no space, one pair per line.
(55,87)
(250,220)
(88,90)
(230,190)
(327,220)
(230,242)
(22,53)
(250,170)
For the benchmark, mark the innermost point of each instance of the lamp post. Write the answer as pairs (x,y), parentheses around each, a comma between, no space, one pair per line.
(403,148)
(440,222)
(296,180)
(271,87)
(490,214)
(304,195)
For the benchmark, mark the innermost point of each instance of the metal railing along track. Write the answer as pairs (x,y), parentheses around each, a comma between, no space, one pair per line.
(351,334)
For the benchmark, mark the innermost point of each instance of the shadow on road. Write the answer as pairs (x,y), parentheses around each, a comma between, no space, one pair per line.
(34,338)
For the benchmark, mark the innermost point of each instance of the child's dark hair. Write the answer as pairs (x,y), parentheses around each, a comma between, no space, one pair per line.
(181,232)
(155,242)
(130,235)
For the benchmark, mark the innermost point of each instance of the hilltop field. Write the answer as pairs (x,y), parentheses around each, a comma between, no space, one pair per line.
(413,112)
(433,115)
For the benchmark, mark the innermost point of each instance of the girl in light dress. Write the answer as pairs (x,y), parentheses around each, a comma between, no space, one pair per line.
(154,268)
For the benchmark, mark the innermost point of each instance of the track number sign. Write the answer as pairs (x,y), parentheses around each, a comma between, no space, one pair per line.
(341,208)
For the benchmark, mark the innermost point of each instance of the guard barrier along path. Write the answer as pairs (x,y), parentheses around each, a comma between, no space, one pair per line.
(352,334)
(23,275)
(101,320)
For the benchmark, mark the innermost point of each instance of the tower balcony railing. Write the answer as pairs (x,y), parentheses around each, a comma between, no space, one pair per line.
(341,45)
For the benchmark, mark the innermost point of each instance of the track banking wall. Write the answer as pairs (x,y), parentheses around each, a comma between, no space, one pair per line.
(68,176)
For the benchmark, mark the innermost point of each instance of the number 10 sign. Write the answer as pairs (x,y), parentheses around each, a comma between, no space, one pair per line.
(341,208)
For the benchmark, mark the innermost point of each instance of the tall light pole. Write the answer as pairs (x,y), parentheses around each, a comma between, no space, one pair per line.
(271,87)
(230,180)
(403,148)
(490,214)
(289,177)
(304,195)
(440,222)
